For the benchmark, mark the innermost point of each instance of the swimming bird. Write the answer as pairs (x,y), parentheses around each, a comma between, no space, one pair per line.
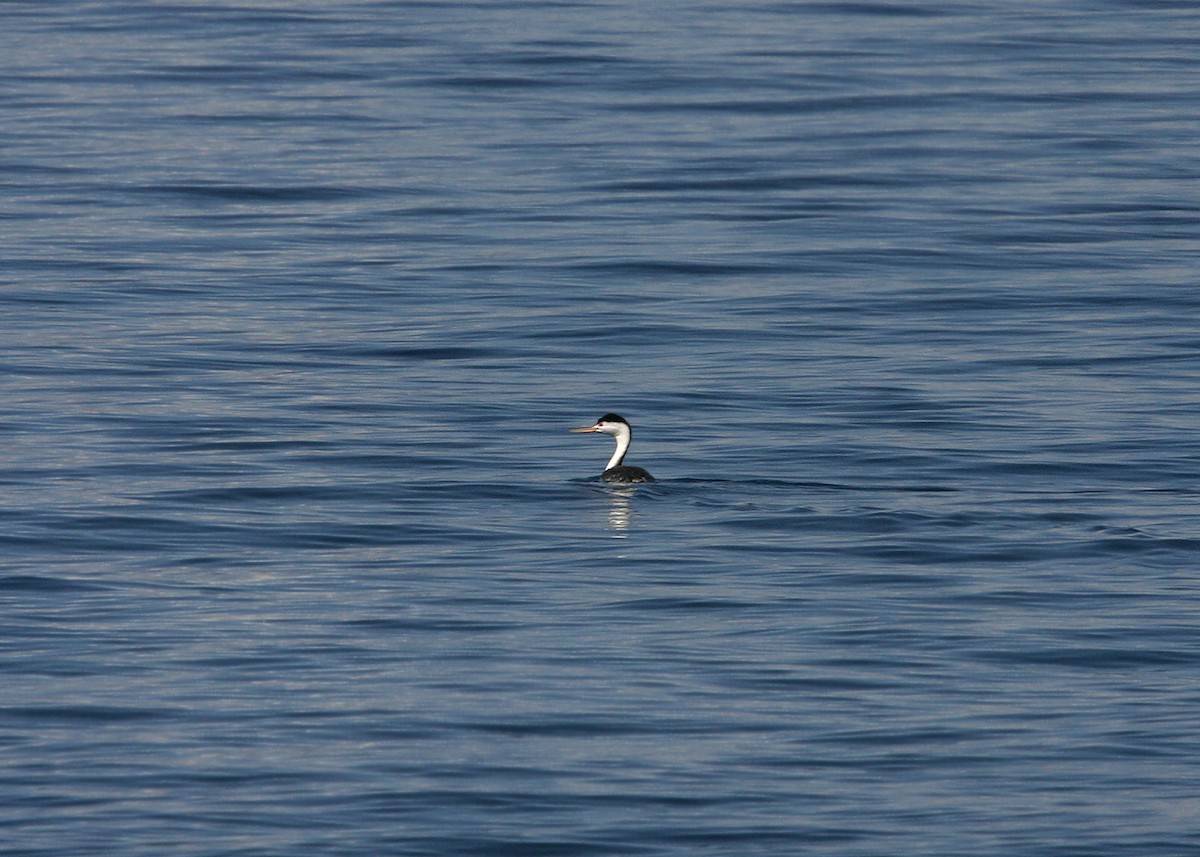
(619,430)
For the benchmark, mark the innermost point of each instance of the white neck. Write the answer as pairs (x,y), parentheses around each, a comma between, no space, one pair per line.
(622,437)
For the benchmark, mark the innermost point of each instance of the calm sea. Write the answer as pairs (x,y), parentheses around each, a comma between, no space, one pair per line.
(902,299)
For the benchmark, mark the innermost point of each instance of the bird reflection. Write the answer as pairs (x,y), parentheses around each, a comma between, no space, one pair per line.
(619,512)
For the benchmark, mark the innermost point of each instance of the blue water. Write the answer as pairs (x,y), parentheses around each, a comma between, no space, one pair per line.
(298,302)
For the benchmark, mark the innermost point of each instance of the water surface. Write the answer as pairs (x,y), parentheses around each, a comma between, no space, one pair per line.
(298,303)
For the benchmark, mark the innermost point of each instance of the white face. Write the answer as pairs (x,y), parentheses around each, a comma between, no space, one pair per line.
(612,429)
(608,427)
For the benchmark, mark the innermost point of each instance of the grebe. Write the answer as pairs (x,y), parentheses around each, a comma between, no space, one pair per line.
(618,428)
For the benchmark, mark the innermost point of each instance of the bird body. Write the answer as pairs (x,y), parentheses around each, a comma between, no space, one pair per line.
(618,428)
(625,474)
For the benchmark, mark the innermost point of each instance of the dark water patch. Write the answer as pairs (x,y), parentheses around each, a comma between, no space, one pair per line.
(870,522)
(439,353)
(1138,544)
(140,534)
(897,740)
(774,484)
(491,82)
(685,604)
(35,583)
(582,726)
(516,846)
(688,183)
(818,105)
(646,268)
(631,333)
(1091,658)
(834,683)
(566,54)
(931,552)
(251,495)
(244,73)
(1049,598)
(887,10)
(95,715)
(252,193)
(431,624)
